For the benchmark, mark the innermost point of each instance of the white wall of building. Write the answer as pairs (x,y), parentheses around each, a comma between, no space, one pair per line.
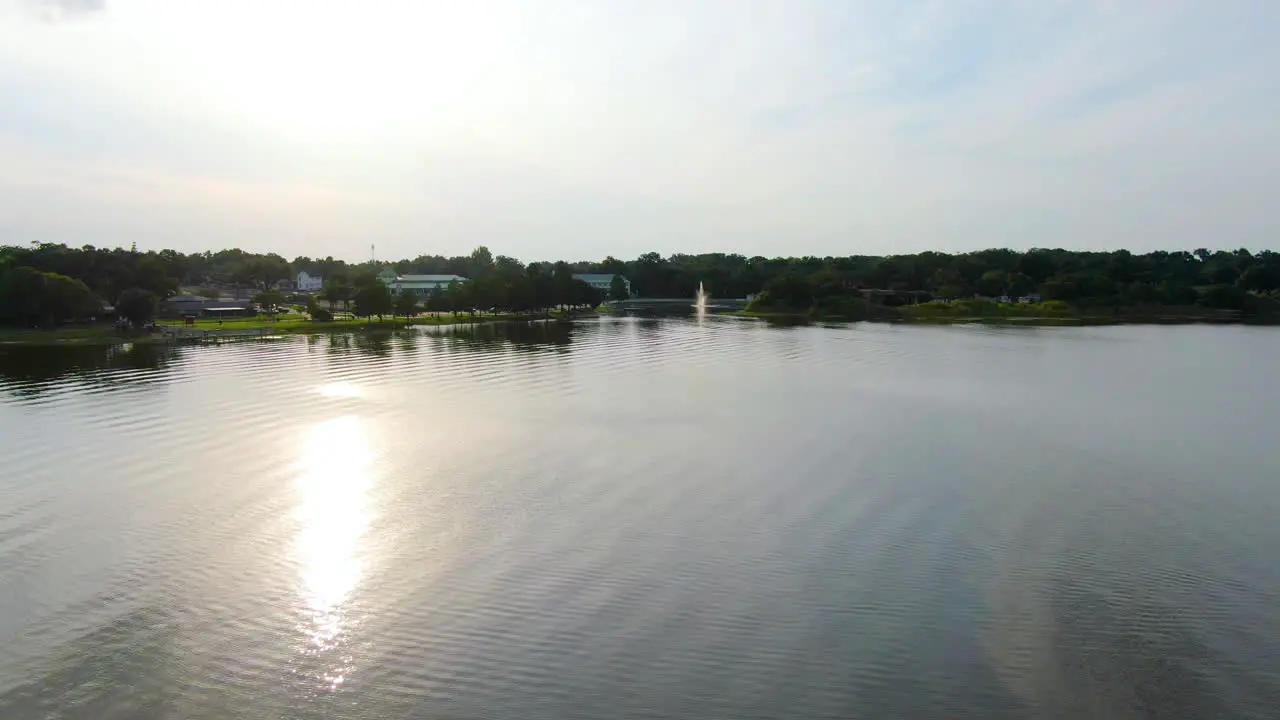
(307,283)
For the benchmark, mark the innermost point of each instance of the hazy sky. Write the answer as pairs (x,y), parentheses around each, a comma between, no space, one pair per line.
(580,128)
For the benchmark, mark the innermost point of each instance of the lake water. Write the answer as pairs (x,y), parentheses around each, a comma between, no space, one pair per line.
(646,519)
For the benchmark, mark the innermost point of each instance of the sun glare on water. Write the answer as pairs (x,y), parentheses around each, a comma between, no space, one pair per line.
(333,516)
(339,390)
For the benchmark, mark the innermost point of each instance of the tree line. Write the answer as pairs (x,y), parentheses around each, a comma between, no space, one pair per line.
(50,283)
(495,285)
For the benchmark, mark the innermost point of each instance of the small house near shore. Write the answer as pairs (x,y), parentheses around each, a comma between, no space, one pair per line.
(180,306)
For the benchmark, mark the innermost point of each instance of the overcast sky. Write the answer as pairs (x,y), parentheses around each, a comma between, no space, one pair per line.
(553,129)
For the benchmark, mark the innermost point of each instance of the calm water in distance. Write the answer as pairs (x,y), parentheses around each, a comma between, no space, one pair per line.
(645,519)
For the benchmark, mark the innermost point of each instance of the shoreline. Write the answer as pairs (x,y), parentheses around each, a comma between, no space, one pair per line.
(1080,320)
(261,328)
(253,328)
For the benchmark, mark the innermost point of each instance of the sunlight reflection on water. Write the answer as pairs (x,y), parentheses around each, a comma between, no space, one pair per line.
(333,515)
(339,389)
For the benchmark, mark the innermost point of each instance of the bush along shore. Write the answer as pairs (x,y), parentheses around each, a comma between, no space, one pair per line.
(1014,313)
(826,297)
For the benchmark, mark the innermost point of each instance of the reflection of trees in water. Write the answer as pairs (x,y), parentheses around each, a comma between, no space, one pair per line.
(1094,617)
(374,343)
(531,336)
(1125,656)
(30,369)
(121,669)
(371,343)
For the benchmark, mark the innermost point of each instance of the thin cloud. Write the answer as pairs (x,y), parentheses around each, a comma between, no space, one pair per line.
(59,10)
(555,128)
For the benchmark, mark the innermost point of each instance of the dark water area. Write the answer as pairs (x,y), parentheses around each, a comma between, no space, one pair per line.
(645,518)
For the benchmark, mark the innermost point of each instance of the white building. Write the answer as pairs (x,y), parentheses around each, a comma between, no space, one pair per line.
(307,283)
(602,281)
(421,285)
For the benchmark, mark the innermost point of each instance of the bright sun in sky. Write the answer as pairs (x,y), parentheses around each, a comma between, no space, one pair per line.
(323,71)
(600,127)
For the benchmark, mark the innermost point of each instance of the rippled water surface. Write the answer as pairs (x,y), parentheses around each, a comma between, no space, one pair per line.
(645,519)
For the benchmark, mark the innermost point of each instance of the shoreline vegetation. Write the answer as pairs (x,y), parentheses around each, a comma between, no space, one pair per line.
(253,327)
(930,313)
(53,293)
(1048,314)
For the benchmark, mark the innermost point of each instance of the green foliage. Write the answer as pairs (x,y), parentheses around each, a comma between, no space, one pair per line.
(1235,280)
(481,260)
(269,300)
(406,304)
(618,288)
(371,298)
(1261,278)
(137,306)
(848,307)
(336,290)
(978,308)
(562,282)
(32,298)
(1224,297)
(789,292)
(583,294)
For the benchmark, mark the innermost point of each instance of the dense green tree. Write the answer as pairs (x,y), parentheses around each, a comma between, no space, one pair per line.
(22,300)
(137,306)
(539,288)
(30,298)
(266,270)
(269,300)
(406,304)
(1226,297)
(504,283)
(1261,278)
(618,288)
(790,291)
(584,295)
(372,297)
(153,276)
(69,299)
(992,283)
(481,261)
(337,291)
(562,284)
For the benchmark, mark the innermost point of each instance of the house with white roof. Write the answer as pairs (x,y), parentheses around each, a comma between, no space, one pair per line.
(602,281)
(421,285)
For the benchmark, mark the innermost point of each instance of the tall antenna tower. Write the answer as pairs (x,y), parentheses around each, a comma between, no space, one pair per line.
(373,255)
